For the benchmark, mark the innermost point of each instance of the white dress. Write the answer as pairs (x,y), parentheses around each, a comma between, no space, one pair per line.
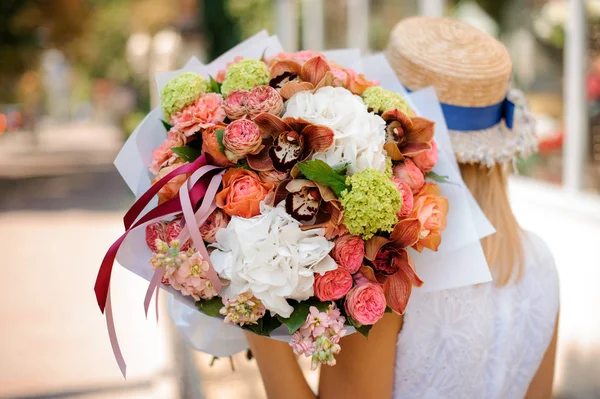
(480,341)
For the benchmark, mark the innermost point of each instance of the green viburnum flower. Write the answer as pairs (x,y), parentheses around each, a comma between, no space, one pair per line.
(181,91)
(371,204)
(389,171)
(380,100)
(245,75)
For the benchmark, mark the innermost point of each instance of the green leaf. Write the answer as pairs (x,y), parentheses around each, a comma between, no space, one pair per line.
(214,86)
(264,326)
(364,330)
(219,134)
(319,172)
(388,310)
(167,125)
(435,177)
(210,307)
(188,154)
(342,170)
(300,313)
(243,164)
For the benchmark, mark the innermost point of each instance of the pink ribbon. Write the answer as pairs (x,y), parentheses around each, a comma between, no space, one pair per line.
(112,335)
(153,287)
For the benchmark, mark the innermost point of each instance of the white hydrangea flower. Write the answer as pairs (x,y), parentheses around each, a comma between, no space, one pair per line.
(359,134)
(270,256)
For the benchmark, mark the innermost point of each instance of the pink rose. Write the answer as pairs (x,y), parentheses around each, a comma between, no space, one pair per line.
(172,233)
(332,285)
(235,104)
(426,160)
(217,220)
(407,197)
(163,156)
(299,56)
(240,138)
(349,252)
(205,112)
(264,99)
(155,231)
(409,172)
(365,303)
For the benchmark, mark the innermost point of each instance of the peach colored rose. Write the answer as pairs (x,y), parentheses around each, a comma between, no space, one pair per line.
(170,190)
(426,160)
(332,285)
(407,197)
(172,232)
(242,193)
(217,220)
(299,56)
(349,252)
(205,112)
(163,156)
(365,303)
(211,146)
(235,104)
(273,175)
(409,172)
(240,138)
(155,231)
(431,209)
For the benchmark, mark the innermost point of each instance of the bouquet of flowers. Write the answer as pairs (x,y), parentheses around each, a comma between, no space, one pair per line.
(286,194)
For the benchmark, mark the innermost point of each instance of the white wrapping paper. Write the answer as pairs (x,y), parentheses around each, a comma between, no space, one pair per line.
(458,262)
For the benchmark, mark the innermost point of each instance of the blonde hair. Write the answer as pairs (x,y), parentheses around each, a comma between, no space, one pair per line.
(503,250)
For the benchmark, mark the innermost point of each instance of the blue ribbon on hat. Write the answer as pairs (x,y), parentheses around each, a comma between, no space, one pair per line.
(478,118)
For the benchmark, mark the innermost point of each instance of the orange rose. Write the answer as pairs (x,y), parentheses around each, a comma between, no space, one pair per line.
(242,193)
(211,146)
(170,190)
(431,210)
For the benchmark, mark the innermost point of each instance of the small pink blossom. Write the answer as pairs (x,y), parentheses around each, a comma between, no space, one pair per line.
(316,323)
(302,345)
(191,278)
(205,112)
(407,197)
(163,156)
(426,160)
(244,309)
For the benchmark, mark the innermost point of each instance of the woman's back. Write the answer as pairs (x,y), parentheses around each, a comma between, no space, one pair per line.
(480,341)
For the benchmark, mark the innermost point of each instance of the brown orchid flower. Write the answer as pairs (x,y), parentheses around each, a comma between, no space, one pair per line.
(406,136)
(288,141)
(390,264)
(291,77)
(315,205)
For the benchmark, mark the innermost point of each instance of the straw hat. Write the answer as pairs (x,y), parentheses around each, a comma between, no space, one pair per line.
(488,123)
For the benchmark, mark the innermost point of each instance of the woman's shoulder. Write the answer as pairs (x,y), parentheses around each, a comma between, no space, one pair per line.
(537,255)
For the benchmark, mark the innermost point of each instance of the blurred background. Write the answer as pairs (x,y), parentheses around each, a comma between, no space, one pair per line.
(76,77)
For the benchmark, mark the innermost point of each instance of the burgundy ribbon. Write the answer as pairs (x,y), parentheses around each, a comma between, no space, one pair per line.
(191,192)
